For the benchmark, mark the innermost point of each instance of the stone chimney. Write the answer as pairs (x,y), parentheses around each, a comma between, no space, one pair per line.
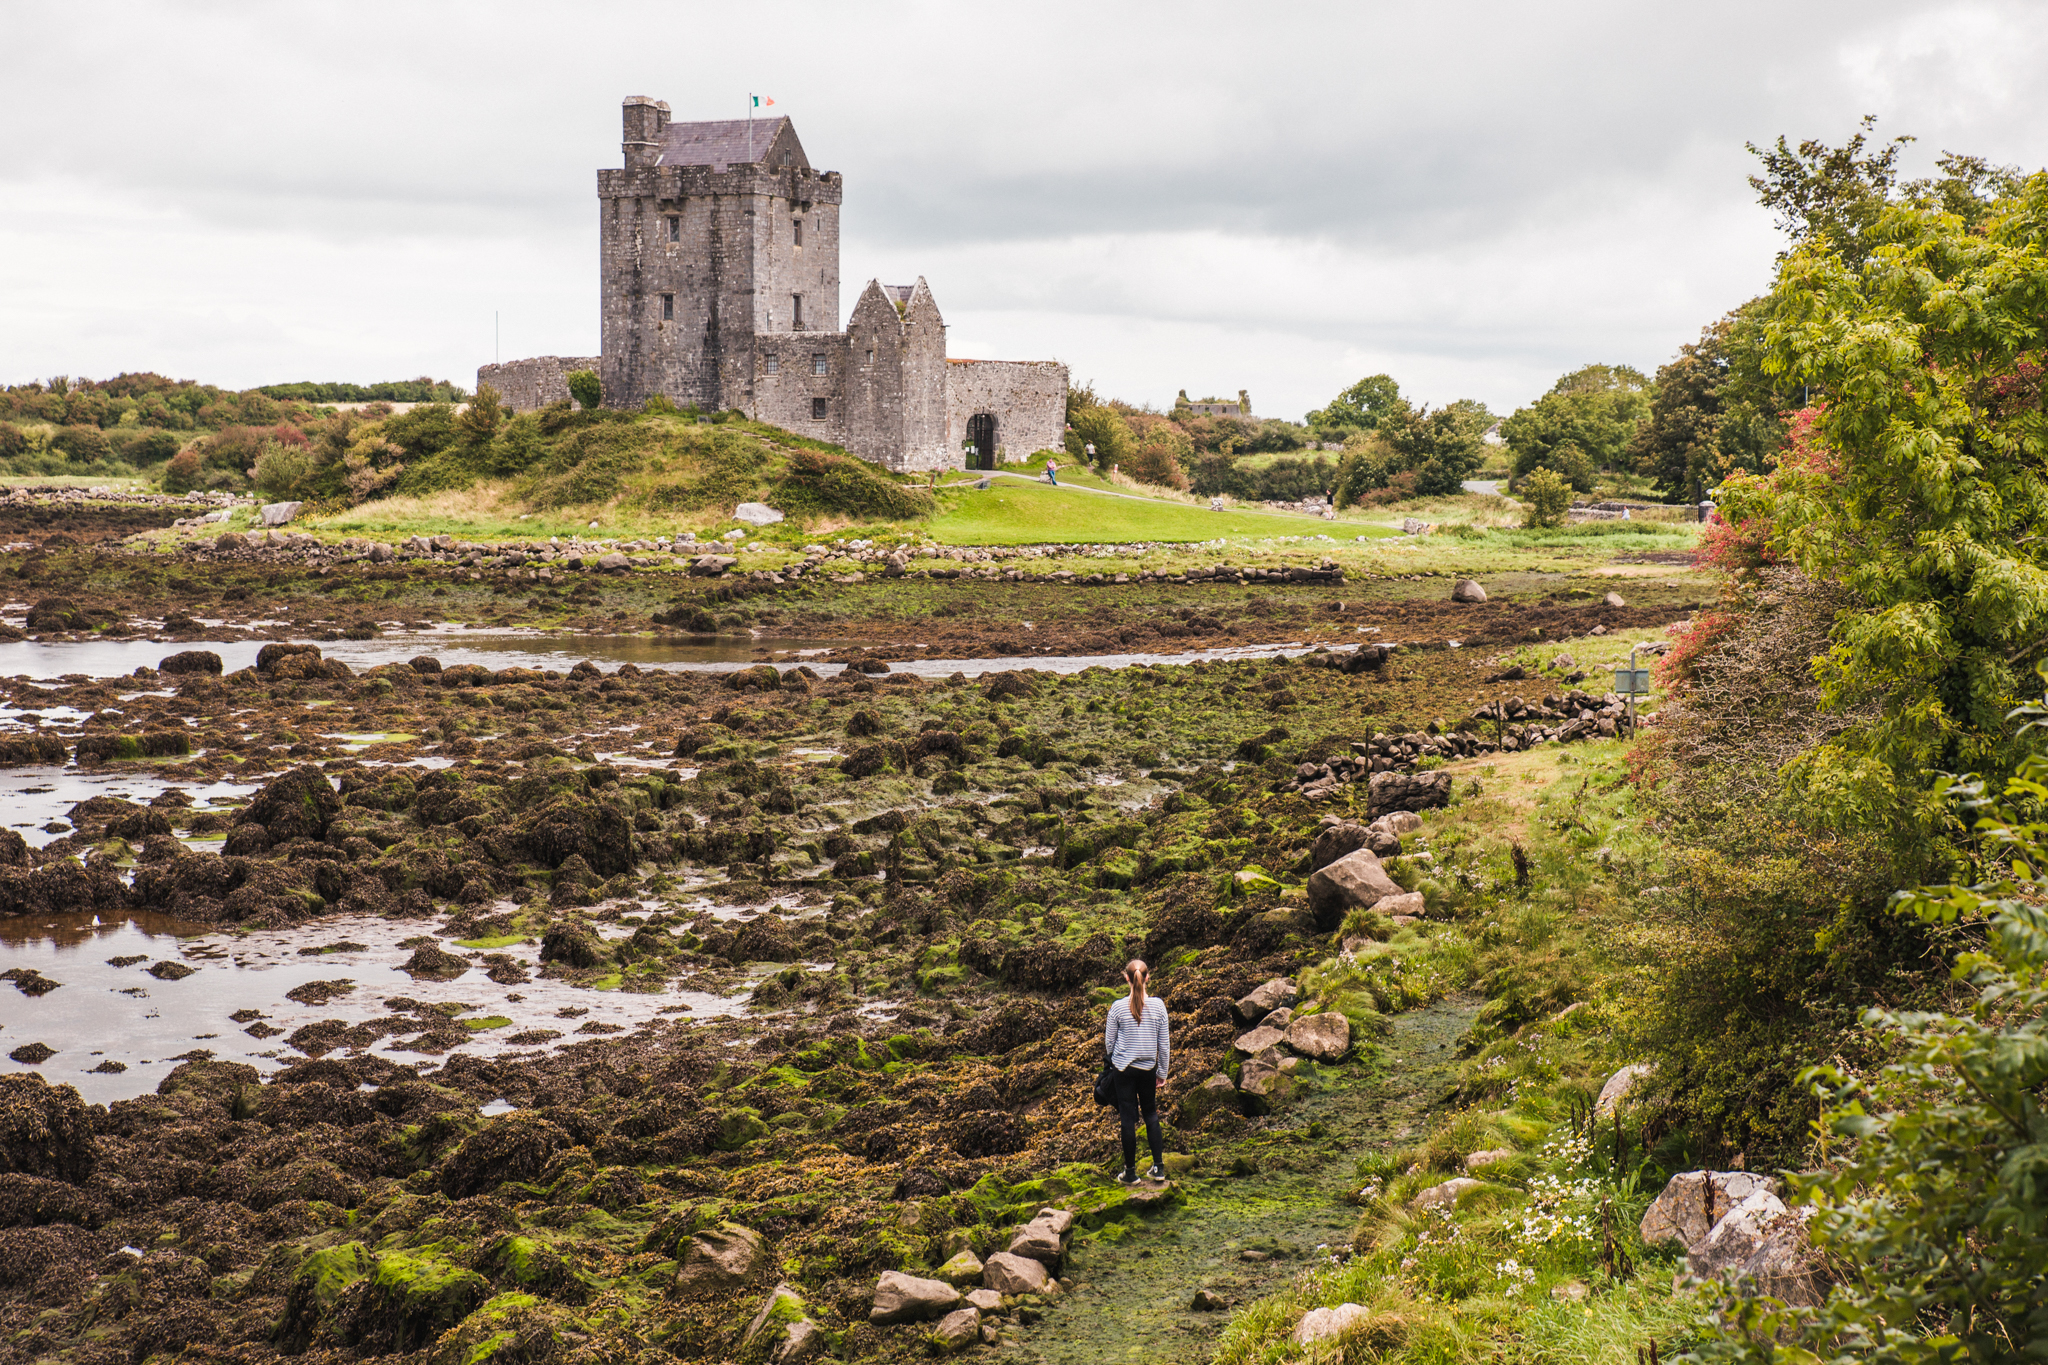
(645,117)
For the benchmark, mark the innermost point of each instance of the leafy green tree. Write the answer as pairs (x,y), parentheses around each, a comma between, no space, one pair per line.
(586,388)
(1921,485)
(1713,414)
(1442,447)
(1583,425)
(1100,426)
(1548,495)
(1362,407)
(1933,1213)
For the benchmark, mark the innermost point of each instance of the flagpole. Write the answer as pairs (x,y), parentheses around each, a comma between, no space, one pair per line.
(750,130)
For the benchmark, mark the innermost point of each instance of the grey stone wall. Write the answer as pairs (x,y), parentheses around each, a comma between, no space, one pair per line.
(1028,399)
(529,385)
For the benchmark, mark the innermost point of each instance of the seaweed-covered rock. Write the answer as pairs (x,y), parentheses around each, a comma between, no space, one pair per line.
(517,1146)
(191,661)
(1009,1025)
(57,613)
(28,1201)
(297,805)
(268,657)
(571,945)
(31,751)
(45,1130)
(597,830)
(409,1299)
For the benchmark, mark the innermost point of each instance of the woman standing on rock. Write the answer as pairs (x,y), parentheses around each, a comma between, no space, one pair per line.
(1135,1041)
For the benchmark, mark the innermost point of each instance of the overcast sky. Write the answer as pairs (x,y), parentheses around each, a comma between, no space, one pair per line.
(1473,197)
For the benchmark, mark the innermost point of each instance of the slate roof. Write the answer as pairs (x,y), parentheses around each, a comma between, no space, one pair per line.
(720,143)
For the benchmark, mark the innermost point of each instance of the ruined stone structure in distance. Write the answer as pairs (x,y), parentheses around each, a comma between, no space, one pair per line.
(719,279)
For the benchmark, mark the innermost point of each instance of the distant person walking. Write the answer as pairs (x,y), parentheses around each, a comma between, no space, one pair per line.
(1135,1040)
(1052,472)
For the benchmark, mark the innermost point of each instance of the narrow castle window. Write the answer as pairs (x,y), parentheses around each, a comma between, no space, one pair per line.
(675,228)
(871,355)
(796,226)
(773,365)
(796,312)
(817,409)
(818,365)
(668,307)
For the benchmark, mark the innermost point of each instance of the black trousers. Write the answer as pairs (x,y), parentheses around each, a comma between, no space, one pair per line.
(1137,1090)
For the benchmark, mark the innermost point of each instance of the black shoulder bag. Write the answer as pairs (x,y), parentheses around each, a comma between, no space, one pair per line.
(1105,1080)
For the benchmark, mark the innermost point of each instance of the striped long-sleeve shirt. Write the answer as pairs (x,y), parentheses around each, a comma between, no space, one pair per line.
(1129,1040)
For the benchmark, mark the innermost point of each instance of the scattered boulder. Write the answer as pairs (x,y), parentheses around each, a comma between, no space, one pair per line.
(45,1130)
(279,513)
(1325,1036)
(1263,1084)
(1044,1238)
(958,1330)
(721,1257)
(1763,1242)
(908,1298)
(1207,1301)
(1338,840)
(1692,1202)
(756,514)
(1218,1092)
(1328,1324)
(1398,822)
(1275,994)
(615,562)
(1619,1087)
(1468,591)
(1613,599)
(1437,1196)
(1407,907)
(987,1300)
(1008,1274)
(1355,881)
(1492,1156)
(963,1268)
(1259,1039)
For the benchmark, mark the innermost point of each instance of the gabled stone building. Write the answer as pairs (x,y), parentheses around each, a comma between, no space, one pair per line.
(719,280)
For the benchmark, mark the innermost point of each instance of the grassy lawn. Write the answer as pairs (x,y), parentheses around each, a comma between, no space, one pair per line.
(1016,513)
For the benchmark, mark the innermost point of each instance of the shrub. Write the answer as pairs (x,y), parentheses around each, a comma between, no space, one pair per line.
(13,440)
(232,450)
(819,483)
(478,422)
(1549,495)
(281,469)
(150,447)
(186,472)
(1102,428)
(85,445)
(586,389)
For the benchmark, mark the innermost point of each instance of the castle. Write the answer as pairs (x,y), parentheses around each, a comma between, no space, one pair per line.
(719,275)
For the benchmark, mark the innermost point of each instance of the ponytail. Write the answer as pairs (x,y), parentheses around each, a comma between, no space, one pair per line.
(1136,973)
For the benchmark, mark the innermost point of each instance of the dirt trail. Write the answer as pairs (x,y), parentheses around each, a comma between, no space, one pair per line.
(1132,1293)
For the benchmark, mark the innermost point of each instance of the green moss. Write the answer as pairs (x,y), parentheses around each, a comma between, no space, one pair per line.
(489,1021)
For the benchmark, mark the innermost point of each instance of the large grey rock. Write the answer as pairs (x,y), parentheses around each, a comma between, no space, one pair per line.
(963,1268)
(1328,1324)
(1259,1039)
(1407,905)
(721,1257)
(1325,1036)
(801,1341)
(1612,599)
(1468,591)
(908,1298)
(614,562)
(1264,1083)
(781,1316)
(756,514)
(1336,841)
(711,566)
(958,1330)
(1275,994)
(1619,1087)
(380,553)
(279,513)
(1492,1156)
(1355,881)
(1205,1099)
(1436,1196)
(1398,822)
(1762,1241)
(1008,1274)
(1693,1201)
(987,1300)
(1040,1240)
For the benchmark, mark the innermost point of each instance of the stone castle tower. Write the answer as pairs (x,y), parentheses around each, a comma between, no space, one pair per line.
(719,281)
